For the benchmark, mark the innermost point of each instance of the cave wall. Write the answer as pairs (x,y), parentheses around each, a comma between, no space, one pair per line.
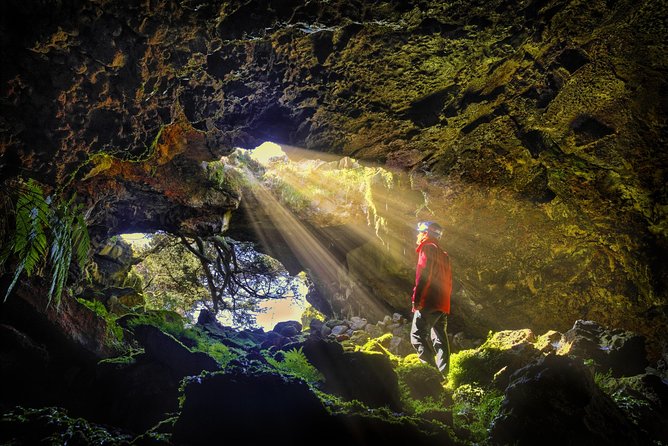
(535,128)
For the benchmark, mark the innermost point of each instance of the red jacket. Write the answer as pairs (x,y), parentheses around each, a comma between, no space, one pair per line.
(433,278)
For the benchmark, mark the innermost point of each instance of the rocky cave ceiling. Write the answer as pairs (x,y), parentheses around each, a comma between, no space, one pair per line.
(537,127)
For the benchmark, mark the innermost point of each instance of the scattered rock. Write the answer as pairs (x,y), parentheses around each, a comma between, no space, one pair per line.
(373,330)
(357,323)
(339,330)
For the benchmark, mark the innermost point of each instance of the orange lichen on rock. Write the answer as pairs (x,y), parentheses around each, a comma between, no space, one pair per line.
(175,138)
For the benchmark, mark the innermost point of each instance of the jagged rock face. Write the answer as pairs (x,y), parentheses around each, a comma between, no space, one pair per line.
(540,123)
(559,388)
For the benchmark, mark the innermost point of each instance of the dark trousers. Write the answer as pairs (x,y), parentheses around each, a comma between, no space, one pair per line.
(429,337)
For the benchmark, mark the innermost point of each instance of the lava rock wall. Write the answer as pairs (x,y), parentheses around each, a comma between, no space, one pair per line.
(537,129)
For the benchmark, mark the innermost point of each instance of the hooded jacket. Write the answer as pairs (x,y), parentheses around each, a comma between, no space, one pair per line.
(433,278)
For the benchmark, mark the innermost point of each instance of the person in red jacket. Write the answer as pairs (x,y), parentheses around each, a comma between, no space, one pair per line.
(431,298)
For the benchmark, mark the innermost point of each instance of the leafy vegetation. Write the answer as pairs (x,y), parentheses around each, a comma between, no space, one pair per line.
(295,363)
(45,228)
(98,308)
(474,408)
(422,393)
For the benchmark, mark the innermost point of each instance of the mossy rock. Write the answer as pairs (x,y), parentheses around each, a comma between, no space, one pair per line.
(418,381)
(494,361)
(53,425)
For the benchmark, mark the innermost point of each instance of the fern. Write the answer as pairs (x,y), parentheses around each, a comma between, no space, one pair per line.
(29,241)
(36,218)
(296,364)
(61,254)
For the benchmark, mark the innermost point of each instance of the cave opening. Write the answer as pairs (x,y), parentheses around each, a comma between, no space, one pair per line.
(255,289)
(532,135)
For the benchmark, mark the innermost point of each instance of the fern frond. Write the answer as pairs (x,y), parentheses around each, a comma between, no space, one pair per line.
(29,240)
(80,238)
(61,253)
(45,229)
(17,273)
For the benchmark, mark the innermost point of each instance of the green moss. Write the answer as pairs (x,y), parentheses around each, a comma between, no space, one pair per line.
(113,329)
(123,360)
(193,337)
(421,391)
(467,367)
(294,363)
(167,321)
(375,346)
(218,351)
(474,408)
(310,314)
(626,392)
(53,426)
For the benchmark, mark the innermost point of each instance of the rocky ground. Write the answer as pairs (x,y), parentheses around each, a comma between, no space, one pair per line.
(332,381)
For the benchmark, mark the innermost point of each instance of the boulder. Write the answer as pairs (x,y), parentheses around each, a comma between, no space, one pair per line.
(252,409)
(135,393)
(357,323)
(274,340)
(271,409)
(644,400)
(167,350)
(316,325)
(421,380)
(288,328)
(622,352)
(557,401)
(495,360)
(339,330)
(366,377)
